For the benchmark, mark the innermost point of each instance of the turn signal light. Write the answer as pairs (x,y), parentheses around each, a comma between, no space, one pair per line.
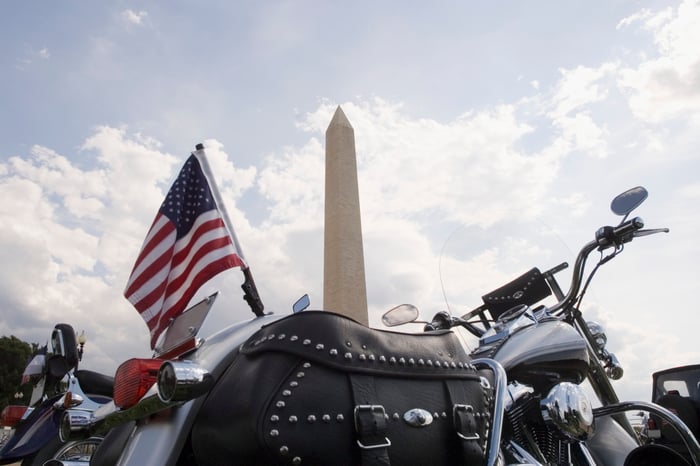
(133,379)
(11,415)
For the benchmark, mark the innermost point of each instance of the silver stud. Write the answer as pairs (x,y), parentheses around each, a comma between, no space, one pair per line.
(333,352)
(453,365)
(411,361)
(421,362)
(296,460)
(284,450)
(348,356)
(340,418)
(436,415)
(286,393)
(280,404)
(460,365)
(363,357)
(311,418)
(281,336)
(293,419)
(396,417)
(319,347)
(402,361)
(437,364)
(443,415)
(300,375)
(392,360)
(294,338)
(485,383)
(429,363)
(348,344)
(306,342)
(326,418)
(274,433)
(364,346)
(271,336)
(293,383)
(371,357)
(382,359)
(306,365)
(274,418)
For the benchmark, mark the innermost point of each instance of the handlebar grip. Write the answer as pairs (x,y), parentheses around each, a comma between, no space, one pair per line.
(609,236)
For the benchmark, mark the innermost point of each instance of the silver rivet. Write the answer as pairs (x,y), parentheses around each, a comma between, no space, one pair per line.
(274,433)
(300,375)
(306,365)
(437,364)
(382,359)
(453,365)
(280,404)
(294,338)
(296,460)
(293,419)
(326,418)
(436,415)
(411,361)
(286,393)
(348,344)
(333,352)
(396,416)
(281,336)
(392,360)
(402,361)
(363,357)
(284,450)
(429,363)
(293,383)
(319,347)
(371,357)
(306,342)
(340,418)
(348,356)
(271,336)
(274,418)
(311,418)
(460,365)
(485,383)
(421,362)
(443,415)
(364,346)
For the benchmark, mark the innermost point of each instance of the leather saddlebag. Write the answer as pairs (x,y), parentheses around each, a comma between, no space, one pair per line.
(319,388)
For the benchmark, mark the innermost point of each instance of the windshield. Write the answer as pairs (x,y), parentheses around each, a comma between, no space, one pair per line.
(684,382)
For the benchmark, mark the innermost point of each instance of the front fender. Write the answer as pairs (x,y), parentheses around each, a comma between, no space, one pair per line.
(32,433)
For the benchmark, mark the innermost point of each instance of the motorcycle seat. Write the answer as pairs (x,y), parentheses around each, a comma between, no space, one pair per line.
(94,383)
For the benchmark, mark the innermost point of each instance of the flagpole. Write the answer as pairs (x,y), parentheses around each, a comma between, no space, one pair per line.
(250,291)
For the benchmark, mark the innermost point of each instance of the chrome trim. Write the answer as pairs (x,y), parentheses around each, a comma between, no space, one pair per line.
(499,397)
(686,435)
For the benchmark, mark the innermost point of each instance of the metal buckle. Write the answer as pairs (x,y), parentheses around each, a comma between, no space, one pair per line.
(374,410)
(469,409)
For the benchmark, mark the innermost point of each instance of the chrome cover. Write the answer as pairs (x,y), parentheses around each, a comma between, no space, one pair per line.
(568,409)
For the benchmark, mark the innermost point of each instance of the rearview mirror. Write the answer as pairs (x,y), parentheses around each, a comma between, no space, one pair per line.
(399,315)
(301,304)
(64,344)
(626,202)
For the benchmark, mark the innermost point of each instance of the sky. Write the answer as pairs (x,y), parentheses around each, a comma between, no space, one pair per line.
(490,137)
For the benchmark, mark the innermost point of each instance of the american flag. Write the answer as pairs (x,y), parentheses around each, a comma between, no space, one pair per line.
(187,245)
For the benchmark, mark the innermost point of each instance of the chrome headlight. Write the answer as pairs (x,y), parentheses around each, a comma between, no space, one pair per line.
(568,409)
(598,334)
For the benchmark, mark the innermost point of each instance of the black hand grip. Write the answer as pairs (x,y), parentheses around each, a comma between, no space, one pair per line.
(609,236)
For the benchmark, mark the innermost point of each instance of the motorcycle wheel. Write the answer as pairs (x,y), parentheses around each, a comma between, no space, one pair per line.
(73,450)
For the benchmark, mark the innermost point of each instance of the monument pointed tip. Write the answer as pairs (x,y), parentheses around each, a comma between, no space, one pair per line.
(339,119)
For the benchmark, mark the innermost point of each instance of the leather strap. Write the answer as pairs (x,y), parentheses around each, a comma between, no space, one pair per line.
(468,422)
(370,422)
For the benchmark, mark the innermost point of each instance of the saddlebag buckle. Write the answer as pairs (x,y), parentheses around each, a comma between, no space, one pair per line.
(370,425)
(465,422)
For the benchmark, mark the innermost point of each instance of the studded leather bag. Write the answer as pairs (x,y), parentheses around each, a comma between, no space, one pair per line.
(319,388)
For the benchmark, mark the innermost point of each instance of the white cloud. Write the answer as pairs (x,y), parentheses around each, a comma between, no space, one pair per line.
(134,17)
(669,85)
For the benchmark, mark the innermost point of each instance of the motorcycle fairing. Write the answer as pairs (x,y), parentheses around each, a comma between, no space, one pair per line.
(32,433)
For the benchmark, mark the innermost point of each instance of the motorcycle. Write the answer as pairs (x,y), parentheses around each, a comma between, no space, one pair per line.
(550,353)
(319,388)
(59,388)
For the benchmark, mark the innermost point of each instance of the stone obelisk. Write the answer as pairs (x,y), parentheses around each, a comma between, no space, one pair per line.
(344,289)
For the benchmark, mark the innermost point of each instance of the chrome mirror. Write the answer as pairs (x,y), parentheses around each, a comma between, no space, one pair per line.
(399,315)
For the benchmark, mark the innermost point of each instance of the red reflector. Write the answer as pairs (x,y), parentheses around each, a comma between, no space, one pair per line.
(11,415)
(133,379)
